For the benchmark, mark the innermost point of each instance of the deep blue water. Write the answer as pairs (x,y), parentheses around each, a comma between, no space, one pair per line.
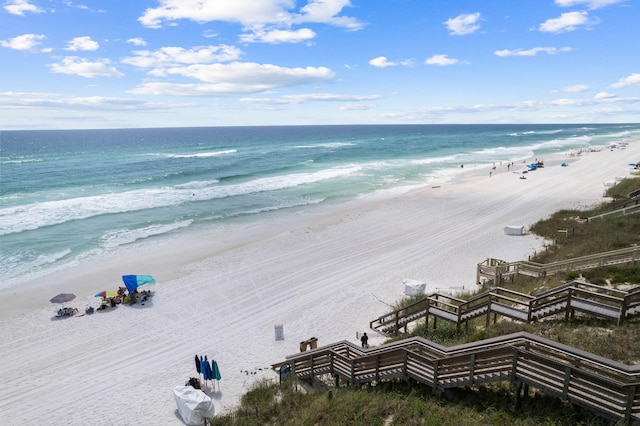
(70,195)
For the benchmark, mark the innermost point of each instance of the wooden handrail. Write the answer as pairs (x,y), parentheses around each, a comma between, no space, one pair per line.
(598,384)
(622,211)
(527,267)
(617,299)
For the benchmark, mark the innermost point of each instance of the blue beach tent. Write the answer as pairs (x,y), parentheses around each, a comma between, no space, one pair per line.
(134,281)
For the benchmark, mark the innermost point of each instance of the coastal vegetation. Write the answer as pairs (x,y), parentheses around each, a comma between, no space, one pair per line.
(402,403)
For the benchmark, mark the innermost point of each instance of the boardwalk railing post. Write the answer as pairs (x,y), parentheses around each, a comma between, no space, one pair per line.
(426,317)
(405,362)
(623,309)
(312,375)
(568,308)
(567,379)
(517,393)
(514,365)
(331,370)
(353,374)
(397,326)
(472,366)
(435,376)
(631,392)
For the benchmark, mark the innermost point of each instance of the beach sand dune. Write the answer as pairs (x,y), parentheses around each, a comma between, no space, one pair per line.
(323,274)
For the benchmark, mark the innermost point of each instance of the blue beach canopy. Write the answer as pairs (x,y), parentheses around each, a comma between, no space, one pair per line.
(134,281)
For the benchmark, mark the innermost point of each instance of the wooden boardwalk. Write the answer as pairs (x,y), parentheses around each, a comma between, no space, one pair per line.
(606,387)
(497,271)
(564,300)
(603,386)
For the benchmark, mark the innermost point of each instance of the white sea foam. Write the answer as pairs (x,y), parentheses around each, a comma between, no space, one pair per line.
(503,153)
(565,143)
(326,145)
(25,264)
(120,237)
(526,151)
(203,154)
(20,161)
(448,159)
(196,184)
(543,132)
(36,215)
(307,202)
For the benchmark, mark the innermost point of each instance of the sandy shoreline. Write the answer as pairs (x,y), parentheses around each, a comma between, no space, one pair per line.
(324,275)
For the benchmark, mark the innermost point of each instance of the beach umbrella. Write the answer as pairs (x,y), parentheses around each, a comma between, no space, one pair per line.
(132,282)
(207,369)
(106,293)
(197,364)
(215,373)
(216,370)
(62,298)
(203,370)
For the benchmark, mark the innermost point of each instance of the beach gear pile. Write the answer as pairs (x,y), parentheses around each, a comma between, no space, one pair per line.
(129,295)
(194,406)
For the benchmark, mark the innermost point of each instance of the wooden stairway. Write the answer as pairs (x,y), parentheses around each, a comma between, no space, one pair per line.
(603,386)
(575,296)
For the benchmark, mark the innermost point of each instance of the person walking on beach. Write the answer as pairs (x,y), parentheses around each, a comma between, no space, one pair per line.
(365,340)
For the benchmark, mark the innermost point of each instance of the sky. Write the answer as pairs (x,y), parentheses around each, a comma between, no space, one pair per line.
(94,64)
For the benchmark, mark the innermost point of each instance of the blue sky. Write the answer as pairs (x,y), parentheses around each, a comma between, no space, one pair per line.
(69,64)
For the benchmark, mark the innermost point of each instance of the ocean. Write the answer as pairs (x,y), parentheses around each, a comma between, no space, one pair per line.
(69,196)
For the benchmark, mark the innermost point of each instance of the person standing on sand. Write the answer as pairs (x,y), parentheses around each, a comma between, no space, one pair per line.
(365,340)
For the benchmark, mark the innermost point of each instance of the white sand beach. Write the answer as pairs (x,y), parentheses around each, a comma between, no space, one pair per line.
(323,274)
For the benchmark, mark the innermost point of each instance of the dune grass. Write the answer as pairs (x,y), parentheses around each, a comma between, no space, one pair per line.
(400,403)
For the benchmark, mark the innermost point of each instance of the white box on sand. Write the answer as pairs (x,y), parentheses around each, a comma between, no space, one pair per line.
(514,230)
(413,287)
(193,405)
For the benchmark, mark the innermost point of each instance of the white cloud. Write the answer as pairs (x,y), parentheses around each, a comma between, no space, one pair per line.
(19,7)
(568,21)
(328,12)
(310,97)
(82,43)
(590,4)
(260,74)
(441,60)
(235,78)
(604,95)
(90,69)
(463,24)
(523,106)
(246,12)
(631,80)
(23,42)
(601,98)
(356,107)
(252,14)
(137,41)
(278,36)
(531,52)
(58,101)
(576,88)
(173,56)
(383,62)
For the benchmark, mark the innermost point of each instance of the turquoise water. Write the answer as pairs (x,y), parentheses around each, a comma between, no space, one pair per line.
(66,196)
